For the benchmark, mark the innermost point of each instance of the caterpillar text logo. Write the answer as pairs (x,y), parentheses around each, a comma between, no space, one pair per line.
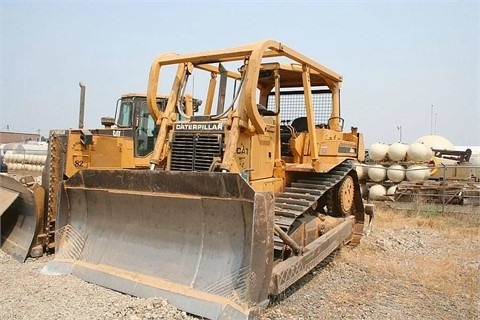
(200,126)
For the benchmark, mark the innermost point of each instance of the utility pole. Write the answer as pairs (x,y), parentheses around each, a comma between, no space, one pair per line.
(399,128)
(431,120)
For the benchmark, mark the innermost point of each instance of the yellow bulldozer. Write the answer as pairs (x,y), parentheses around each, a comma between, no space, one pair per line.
(28,209)
(238,203)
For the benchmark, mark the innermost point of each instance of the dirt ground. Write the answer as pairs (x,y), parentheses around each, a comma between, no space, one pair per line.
(413,265)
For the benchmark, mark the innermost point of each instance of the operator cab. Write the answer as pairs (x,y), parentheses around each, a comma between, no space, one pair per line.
(132,113)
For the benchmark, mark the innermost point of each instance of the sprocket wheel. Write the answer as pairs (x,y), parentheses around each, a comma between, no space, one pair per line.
(345,193)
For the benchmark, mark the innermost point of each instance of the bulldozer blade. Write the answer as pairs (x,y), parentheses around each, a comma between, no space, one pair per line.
(21,211)
(203,241)
(7,197)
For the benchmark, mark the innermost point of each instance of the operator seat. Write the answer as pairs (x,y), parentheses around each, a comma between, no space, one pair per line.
(300,124)
(264,111)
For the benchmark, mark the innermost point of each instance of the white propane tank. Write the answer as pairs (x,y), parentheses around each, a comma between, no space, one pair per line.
(362,171)
(397,151)
(427,171)
(376,191)
(418,152)
(396,173)
(377,173)
(430,154)
(30,152)
(416,172)
(391,190)
(378,151)
(447,162)
(436,142)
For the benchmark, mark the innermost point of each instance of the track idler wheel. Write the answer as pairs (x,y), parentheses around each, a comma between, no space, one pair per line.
(342,197)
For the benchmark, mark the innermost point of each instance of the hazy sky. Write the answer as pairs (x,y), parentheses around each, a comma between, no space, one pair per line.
(398,58)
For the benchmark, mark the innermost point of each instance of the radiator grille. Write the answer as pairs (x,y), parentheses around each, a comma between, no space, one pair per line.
(194,151)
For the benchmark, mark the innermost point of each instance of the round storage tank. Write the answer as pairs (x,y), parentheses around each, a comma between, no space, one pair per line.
(378,151)
(418,152)
(8,157)
(377,173)
(436,142)
(362,171)
(396,173)
(391,190)
(397,151)
(376,192)
(416,172)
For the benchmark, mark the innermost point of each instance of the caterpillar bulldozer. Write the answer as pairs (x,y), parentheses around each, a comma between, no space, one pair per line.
(28,208)
(238,203)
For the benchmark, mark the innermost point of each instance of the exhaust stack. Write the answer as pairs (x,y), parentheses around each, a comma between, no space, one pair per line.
(82,105)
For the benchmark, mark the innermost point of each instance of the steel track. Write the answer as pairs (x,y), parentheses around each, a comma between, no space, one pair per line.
(302,197)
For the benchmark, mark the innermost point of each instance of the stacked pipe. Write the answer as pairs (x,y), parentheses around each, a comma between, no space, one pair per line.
(24,161)
(388,165)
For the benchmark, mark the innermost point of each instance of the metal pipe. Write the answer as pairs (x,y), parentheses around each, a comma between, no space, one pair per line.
(82,105)
(288,241)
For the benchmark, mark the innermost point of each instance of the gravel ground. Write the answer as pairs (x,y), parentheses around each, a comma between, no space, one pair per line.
(403,270)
